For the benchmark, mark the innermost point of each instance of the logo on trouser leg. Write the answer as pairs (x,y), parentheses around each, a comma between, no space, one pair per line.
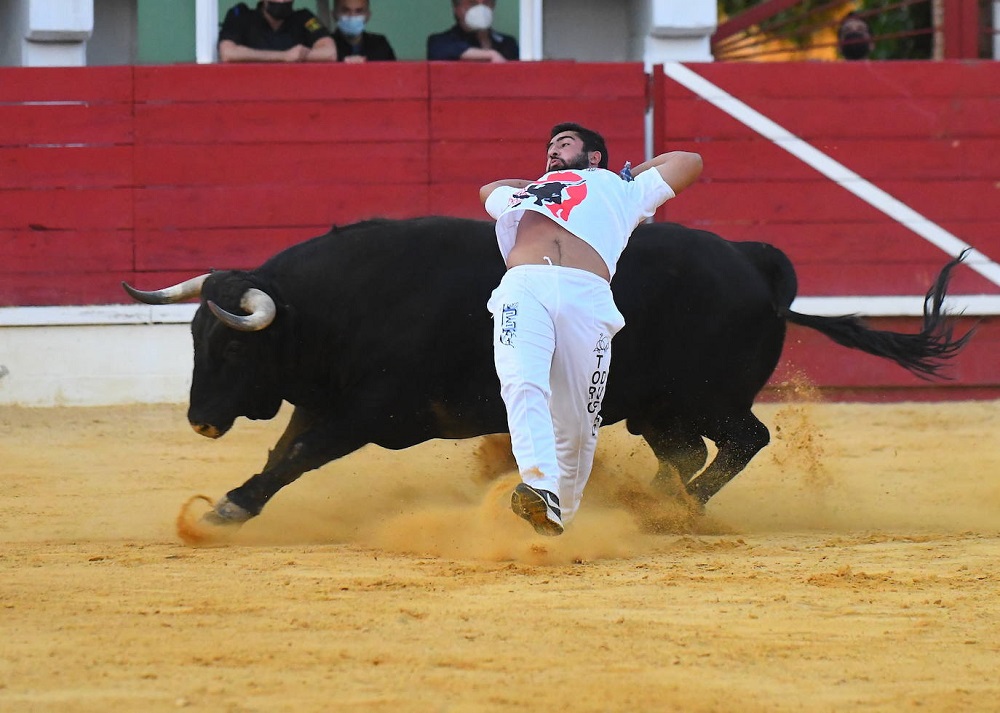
(598,381)
(508,324)
(596,425)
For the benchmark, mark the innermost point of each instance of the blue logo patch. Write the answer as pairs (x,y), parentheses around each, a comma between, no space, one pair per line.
(508,324)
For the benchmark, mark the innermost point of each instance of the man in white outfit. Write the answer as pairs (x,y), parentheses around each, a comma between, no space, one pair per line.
(553,312)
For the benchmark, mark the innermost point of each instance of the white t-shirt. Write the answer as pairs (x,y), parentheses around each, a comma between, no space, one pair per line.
(594,204)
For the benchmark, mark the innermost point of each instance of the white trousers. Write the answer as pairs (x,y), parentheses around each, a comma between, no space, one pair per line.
(552,330)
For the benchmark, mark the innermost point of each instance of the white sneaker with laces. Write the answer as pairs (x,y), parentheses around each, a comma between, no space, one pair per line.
(539,507)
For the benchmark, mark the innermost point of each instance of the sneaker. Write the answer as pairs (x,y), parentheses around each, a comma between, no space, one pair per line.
(539,507)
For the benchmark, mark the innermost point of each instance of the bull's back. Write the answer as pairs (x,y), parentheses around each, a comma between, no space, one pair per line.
(698,264)
(403,252)
(701,322)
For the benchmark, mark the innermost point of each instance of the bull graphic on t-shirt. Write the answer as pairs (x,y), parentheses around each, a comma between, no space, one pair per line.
(552,192)
(560,194)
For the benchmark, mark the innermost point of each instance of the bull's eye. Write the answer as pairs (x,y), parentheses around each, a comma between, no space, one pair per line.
(233,351)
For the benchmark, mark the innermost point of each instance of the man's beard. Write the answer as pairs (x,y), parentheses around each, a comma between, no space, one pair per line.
(580,161)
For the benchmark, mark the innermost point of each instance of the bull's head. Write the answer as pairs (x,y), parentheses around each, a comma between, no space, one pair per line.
(235,355)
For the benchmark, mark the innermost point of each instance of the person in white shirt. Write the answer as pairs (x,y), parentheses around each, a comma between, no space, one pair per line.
(553,313)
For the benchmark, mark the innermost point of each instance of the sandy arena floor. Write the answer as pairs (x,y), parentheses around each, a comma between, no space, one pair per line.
(852,567)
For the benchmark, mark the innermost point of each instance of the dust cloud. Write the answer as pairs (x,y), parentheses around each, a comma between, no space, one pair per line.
(451,499)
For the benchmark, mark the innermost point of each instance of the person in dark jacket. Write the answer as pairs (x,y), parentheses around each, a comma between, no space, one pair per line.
(472,38)
(353,43)
(274,32)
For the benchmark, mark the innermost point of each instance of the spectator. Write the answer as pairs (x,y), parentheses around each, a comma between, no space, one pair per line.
(353,43)
(274,32)
(854,38)
(473,38)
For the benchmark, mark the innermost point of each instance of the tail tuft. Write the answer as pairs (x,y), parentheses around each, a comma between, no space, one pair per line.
(923,354)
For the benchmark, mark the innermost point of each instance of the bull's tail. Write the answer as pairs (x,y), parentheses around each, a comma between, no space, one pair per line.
(923,353)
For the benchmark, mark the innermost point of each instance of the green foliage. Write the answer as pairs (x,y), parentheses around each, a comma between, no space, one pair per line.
(795,24)
(905,31)
(898,21)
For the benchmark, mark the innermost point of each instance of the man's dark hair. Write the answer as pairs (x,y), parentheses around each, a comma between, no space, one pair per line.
(592,141)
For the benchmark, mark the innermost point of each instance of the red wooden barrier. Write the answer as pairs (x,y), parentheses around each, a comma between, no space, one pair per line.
(842,374)
(961,29)
(923,132)
(153,174)
(492,122)
(65,183)
(234,163)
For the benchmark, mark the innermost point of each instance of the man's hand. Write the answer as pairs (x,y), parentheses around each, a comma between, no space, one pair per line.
(679,169)
(323,50)
(298,53)
(478,54)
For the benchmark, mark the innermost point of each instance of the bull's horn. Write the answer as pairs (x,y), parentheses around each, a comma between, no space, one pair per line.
(257,303)
(168,295)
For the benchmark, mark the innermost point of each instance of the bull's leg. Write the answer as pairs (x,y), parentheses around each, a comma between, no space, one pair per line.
(680,453)
(306,444)
(740,437)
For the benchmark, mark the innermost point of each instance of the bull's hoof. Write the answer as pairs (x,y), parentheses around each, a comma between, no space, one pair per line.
(216,526)
(226,513)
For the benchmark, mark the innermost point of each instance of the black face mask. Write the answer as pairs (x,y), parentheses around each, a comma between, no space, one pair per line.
(854,45)
(279,10)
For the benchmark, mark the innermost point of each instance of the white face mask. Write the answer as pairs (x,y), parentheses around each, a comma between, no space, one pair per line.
(479,17)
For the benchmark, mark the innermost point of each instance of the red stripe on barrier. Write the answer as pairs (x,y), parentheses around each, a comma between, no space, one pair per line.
(94,85)
(66,167)
(267,83)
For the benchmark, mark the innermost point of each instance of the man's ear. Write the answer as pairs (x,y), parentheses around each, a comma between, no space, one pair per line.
(595,158)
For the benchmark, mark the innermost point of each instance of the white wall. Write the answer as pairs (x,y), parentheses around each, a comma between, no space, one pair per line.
(587,30)
(12,20)
(648,31)
(57,356)
(45,33)
(115,30)
(127,354)
(996,26)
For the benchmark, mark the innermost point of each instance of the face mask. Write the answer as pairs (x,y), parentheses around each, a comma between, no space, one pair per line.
(855,45)
(351,25)
(279,10)
(479,17)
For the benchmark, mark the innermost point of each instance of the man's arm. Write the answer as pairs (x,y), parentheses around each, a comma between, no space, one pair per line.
(229,51)
(445,46)
(478,54)
(679,169)
(448,46)
(323,50)
(486,190)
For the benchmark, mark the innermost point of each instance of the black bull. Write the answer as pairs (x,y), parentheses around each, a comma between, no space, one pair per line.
(378,333)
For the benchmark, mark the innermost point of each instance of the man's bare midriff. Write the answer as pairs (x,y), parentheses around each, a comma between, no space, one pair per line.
(540,241)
